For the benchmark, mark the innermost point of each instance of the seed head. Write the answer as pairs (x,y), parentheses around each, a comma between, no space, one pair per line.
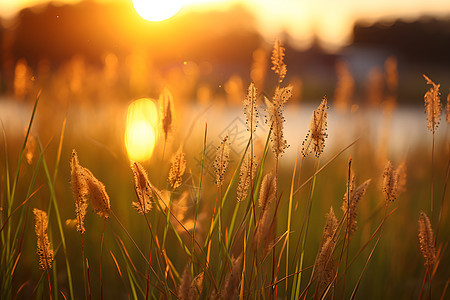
(43,244)
(432,105)
(426,240)
(221,161)
(177,169)
(315,138)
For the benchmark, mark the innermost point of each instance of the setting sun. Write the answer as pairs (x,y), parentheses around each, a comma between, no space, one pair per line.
(140,133)
(153,10)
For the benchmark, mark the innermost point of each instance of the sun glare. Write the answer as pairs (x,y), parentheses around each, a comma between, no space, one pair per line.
(157,10)
(141,129)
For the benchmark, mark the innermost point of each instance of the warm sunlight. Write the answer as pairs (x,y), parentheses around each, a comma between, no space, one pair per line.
(154,10)
(141,127)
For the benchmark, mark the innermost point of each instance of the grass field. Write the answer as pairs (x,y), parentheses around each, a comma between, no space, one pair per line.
(221,209)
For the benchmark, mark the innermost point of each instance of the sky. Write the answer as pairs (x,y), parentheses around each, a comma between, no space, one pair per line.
(330,20)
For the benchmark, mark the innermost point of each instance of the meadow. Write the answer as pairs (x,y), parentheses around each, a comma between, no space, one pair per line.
(223,197)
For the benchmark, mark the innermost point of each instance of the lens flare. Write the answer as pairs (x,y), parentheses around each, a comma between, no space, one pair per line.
(141,129)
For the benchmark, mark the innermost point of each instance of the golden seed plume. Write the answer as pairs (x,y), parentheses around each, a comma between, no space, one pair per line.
(426,240)
(344,88)
(330,225)
(390,183)
(246,176)
(315,138)
(97,195)
(30,149)
(79,190)
(43,244)
(166,103)
(447,114)
(196,286)
(390,66)
(324,266)
(279,67)
(432,105)
(232,280)
(352,205)
(177,168)
(276,120)
(221,161)
(267,191)
(401,177)
(143,188)
(250,108)
(185,284)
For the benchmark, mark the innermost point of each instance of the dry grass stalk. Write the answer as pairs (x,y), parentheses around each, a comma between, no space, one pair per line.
(315,138)
(352,205)
(250,108)
(276,120)
(221,161)
(390,183)
(143,187)
(43,244)
(426,240)
(79,190)
(344,88)
(247,175)
(233,279)
(177,168)
(432,105)
(267,191)
(279,67)
(166,104)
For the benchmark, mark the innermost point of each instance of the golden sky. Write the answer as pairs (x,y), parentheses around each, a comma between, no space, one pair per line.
(330,20)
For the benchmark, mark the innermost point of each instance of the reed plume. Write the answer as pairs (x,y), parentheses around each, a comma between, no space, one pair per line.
(276,120)
(185,284)
(166,104)
(426,240)
(221,161)
(330,225)
(145,191)
(401,177)
(43,244)
(324,266)
(232,281)
(97,195)
(279,67)
(177,168)
(196,286)
(246,176)
(250,108)
(432,105)
(315,138)
(344,88)
(447,114)
(390,183)
(350,204)
(79,190)
(267,191)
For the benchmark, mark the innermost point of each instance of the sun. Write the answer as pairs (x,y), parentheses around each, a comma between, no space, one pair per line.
(157,10)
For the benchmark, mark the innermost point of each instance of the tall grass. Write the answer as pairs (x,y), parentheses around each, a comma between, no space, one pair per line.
(264,227)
